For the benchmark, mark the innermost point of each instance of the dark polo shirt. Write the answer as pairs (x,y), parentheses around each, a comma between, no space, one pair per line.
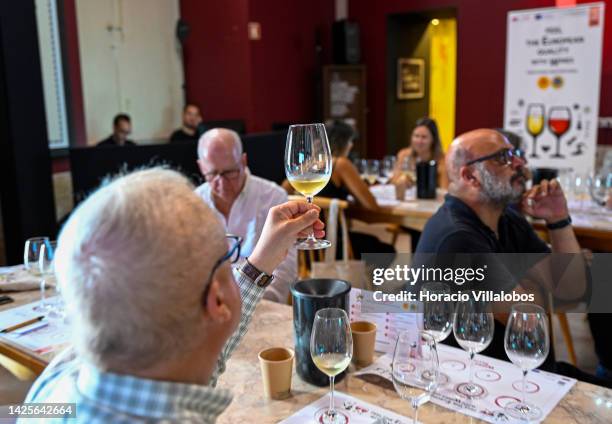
(455,228)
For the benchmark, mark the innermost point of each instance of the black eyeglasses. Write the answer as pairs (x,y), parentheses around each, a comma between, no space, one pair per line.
(232,255)
(503,157)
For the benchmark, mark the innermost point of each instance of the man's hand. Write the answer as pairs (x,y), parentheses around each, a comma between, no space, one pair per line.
(284,225)
(547,201)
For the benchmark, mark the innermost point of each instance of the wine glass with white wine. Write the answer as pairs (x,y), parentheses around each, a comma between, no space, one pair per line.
(331,349)
(308,166)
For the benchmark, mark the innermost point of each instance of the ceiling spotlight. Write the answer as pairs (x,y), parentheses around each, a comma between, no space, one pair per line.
(435,22)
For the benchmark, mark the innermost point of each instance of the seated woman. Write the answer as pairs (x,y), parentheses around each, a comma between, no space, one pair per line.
(345,180)
(424,145)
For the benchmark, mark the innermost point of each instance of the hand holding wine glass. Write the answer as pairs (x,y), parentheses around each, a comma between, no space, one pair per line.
(308,166)
(331,349)
(527,345)
(415,368)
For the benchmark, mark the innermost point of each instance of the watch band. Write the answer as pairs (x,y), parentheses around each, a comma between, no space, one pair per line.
(260,278)
(560,224)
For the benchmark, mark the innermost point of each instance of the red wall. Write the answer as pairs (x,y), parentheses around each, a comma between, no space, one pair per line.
(481,56)
(262,81)
(217,58)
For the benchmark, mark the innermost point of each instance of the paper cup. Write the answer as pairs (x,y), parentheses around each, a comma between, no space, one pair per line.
(276,369)
(364,338)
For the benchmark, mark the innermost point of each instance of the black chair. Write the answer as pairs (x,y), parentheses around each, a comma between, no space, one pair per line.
(266,154)
(89,166)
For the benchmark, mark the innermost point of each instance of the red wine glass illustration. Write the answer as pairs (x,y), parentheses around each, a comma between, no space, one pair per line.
(559,122)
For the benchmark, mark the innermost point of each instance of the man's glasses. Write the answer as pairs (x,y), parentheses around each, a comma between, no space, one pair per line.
(232,255)
(230,174)
(503,156)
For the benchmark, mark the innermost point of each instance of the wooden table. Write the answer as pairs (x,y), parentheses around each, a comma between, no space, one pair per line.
(593,229)
(272,326)
(36,363)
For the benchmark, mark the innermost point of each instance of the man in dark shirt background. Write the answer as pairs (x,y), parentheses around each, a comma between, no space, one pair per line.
(487,174)
(192,126)
(122,128)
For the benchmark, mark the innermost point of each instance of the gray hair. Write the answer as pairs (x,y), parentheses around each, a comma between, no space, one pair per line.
(220,133)
(132,262)
(496,191)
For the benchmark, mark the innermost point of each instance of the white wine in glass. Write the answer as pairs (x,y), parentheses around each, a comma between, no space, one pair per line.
(331,349)
(308,166)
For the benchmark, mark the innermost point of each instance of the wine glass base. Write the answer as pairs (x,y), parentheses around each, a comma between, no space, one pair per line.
(523,411)
(309,244)
(471,390)
(533,155)
(323,416)
(558,156)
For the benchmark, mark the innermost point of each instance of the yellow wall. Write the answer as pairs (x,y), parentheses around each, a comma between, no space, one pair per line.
(442,82)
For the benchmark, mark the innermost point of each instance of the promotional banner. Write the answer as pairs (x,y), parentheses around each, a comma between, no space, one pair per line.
(553,68)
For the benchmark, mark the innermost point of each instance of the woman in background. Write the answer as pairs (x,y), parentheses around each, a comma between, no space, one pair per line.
(345,180)
(424,145)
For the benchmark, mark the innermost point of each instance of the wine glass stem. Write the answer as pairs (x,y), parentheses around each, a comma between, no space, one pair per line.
(311,236)
(415,415)
(331,396)
(43,286)
(524,384)
(472,354)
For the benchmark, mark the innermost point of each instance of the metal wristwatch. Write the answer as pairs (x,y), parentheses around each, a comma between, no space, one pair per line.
(260,278)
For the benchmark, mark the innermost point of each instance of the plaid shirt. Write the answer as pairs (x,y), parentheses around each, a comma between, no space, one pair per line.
(103,397)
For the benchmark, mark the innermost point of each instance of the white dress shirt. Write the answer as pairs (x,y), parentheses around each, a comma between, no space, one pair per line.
(246,219)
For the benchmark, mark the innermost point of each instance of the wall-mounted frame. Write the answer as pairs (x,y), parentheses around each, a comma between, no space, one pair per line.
(410,78)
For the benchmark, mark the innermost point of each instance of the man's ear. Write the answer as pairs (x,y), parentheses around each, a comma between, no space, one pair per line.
(243,159)
(214,304)
(201,166)
(467,174)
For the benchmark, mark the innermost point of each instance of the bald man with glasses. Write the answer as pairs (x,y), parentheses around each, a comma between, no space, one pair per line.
(241,200)
(487,176)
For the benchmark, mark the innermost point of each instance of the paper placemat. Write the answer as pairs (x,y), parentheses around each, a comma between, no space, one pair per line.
(17,278)
(43,337)
(356,411)
(389,323)
(500,382)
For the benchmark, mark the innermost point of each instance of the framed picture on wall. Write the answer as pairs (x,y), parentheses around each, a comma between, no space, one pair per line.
(410,78)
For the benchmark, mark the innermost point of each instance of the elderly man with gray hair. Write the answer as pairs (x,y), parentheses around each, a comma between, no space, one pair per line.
(241,200)
(156,308)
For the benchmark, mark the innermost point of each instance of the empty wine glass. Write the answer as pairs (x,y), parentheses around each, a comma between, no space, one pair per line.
(473,328)
(437,314)
(415,356)
(601,188)
(31,261)
(527,345)
(331,349)
(386,169)
(308,166)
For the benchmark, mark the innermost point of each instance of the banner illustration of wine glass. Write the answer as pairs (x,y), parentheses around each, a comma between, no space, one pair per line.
(535,124)
(559,122)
